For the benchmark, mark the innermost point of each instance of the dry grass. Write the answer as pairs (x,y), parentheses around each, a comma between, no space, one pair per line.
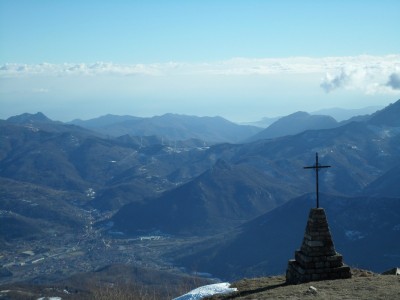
(363,285)
(114,282)
(124,293)
(101,291)
(141,292)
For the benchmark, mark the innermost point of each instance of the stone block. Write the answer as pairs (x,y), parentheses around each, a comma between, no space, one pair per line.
(314,243)
(301,258)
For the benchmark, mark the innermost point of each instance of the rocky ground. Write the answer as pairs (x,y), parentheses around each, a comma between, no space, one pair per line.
(362,285)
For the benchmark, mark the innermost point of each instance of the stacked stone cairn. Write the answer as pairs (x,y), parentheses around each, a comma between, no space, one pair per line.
(317,258)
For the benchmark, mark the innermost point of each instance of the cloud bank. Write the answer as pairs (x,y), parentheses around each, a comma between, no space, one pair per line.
(368,74)
(235,66)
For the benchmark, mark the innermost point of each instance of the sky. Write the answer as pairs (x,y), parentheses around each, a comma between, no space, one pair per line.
(239,59)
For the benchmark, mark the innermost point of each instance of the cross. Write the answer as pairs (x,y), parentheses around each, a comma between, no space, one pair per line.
(317,166)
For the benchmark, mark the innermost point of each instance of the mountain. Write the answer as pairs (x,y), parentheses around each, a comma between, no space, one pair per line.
(104,121)
(113,171)
(28,211)
(173,127)
(129,169)
(116,170)
(41,157)
(353,151)
(219,199)
(342,114)
(365,231)
(38,121)
(27,118)
(388,116)
(339,114)
(295,123)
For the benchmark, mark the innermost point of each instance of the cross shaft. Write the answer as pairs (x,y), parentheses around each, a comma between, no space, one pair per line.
(316,167)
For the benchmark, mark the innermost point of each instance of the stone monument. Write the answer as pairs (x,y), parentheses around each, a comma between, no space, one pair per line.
(317,258)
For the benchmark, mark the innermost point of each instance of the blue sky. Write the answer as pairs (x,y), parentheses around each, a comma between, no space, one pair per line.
(239,59)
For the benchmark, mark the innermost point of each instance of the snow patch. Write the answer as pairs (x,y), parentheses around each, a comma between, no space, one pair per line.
(91,193)
(208,290)
(151,238)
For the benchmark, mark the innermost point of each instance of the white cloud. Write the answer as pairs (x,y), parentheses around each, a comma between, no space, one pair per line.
(351,78)
(332,82)
(367,74)
(82,69)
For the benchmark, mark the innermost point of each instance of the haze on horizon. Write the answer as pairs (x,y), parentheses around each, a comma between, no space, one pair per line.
(242,60)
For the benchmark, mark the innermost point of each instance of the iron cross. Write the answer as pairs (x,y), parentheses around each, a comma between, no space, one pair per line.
(317,166)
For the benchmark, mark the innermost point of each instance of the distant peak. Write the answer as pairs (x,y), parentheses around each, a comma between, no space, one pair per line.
(299,114)
(29,118)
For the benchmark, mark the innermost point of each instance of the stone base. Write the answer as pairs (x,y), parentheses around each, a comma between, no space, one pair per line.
(318,262)
(295,273)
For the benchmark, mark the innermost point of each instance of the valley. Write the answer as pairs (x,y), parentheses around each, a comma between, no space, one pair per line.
(59,256)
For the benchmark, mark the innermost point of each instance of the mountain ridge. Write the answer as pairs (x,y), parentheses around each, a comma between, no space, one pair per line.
(172,127)
(293,124)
